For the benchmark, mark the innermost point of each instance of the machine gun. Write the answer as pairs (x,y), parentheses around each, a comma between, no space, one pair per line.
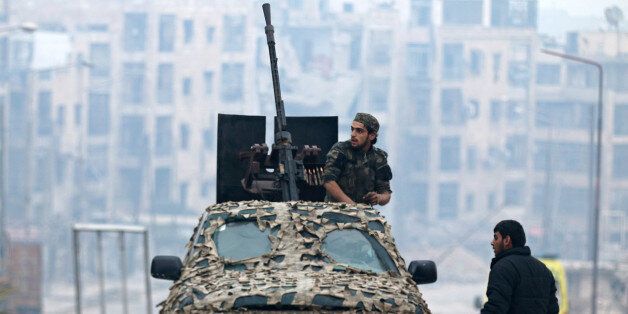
(287,173)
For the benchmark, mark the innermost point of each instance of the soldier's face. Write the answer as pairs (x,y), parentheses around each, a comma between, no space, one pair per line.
(500,243)
(359,135)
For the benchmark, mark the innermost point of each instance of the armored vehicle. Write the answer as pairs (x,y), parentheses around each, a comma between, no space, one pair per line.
(287,256)
(271,244)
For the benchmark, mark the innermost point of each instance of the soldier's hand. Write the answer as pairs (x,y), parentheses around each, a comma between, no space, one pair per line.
(372,198)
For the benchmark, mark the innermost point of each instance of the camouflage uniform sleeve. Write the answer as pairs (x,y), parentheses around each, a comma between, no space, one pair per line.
(383,174)
(336,159)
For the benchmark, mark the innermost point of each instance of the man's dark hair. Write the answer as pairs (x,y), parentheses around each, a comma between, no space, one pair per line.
(513,229)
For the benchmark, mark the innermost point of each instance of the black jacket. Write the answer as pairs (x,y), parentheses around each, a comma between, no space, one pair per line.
(520,283)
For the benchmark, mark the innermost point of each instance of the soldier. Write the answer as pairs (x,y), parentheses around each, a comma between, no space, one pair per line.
(356,171)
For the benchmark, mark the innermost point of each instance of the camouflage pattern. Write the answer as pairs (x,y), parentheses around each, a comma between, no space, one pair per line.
(357,172)
(370,122)
(296,274)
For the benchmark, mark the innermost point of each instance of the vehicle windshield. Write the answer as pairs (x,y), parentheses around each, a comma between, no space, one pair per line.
(241,240)
(358,249)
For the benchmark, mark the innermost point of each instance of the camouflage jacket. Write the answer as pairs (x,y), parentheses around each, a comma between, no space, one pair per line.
(357,172)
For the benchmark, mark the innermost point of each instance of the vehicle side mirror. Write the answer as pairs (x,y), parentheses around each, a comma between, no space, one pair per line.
(423,271)
(166,267)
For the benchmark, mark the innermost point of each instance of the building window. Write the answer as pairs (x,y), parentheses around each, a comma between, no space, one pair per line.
(130,188)
(44,113)
(420,13)
(234,33)
(573,201)
(415,202)
(355,51)
(167,32)
(165,78)
(520,13)
(96,166)
(582,75)
(620,117)
(100,56)
(188,31)
(187,86)
(497,64)
(184,133)
(453,62)
(78,114)
(453,111)
(496,111)
(347,7)
(470,202)
(516,147)
(418,61)
(477,62)
(99,114)
(620,166)
(163,181)
(420,102)
(378,94)
(163,136)
(514,192)
(208,139)
(571,157)
(205,189)
(563,115)
(60,120)
(208,77)
(133,87)
(209,34)
(380,48)
(183,195)
(448,200)
(417,157)
(450,153)
(132,136)
(134,36)
(232,88)
(466,12)
(472,158)
(548,74)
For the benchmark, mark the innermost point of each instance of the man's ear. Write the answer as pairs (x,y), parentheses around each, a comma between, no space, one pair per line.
(507,241)
(372,136)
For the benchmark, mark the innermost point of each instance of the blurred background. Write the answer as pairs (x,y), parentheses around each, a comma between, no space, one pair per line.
(109,109)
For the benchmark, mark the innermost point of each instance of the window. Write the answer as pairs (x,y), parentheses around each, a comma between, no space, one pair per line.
(232,88)
(4,58)
(418,155)
(209,34)
(78,114)
(355,51)
(573,201)
(167,32)
(453,62)
(516,111)
(61,169)
(43,179)
(582,75)
(183,195)
(380,47)
(514,192)
(234,33)
(347,7)
(448,200)
(134,37)
(620,166)
(467,12)
(548,74)
(165,78)
(450,153)
(163,136)
(100,56)
(44,113)
(620,118)
(208,77)
(205,189)
(99,114)
(188,31)
(132,136)
(520,13)
(518,73)
(563,115)
(240,240)
(184,131)
(187,86)
(416,200)
(572,157)
(133,79)
(453,111)
(130,188)
(477,62)
(472,158)
(420,12)
(60,121)
(418,61)
(516,148)
(207,139)
(496,111)
(470,202)
(420,99)
(358,249)
(378,94)
(96,166)
(163,181)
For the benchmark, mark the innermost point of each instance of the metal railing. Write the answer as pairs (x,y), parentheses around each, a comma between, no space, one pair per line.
(99,229)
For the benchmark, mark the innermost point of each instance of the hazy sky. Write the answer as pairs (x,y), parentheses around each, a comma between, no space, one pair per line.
(583,7)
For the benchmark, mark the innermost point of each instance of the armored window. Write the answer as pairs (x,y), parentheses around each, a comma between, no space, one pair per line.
(241,240)
(358,249)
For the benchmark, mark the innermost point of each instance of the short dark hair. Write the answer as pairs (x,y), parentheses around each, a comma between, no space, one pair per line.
(513,229)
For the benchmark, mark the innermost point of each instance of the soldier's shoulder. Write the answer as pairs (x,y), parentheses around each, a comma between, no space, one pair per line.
(345,145)
(380,152)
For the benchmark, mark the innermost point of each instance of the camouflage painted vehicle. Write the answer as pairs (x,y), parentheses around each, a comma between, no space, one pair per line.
(292,256)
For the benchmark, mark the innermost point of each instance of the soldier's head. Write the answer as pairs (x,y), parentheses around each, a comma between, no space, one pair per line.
(506,235)
(364,130)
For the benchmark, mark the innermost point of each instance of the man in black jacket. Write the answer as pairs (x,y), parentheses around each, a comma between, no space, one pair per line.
(518,282)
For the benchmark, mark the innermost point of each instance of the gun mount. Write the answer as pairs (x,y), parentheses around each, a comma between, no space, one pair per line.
(293,169)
